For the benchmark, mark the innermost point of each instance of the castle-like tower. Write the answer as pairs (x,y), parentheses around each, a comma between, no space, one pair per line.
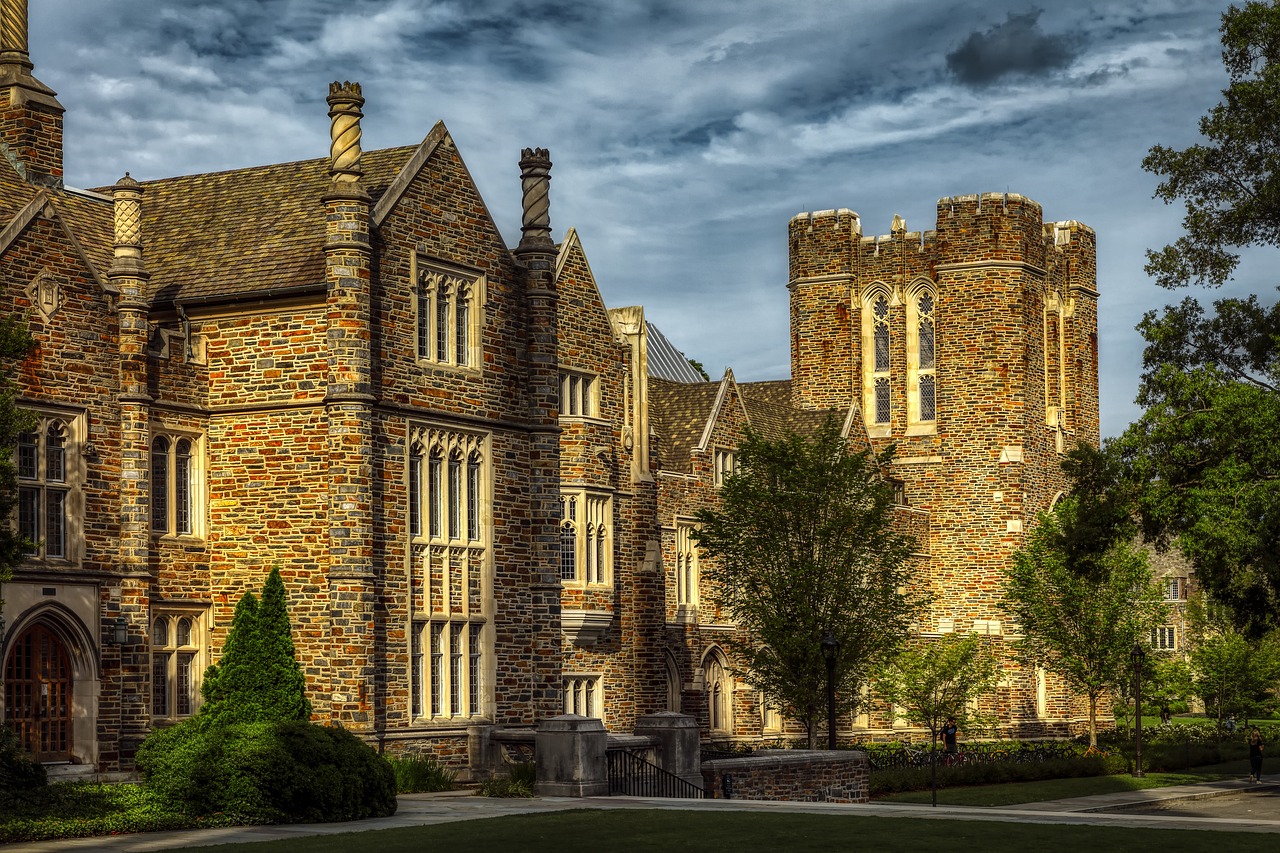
(973,349)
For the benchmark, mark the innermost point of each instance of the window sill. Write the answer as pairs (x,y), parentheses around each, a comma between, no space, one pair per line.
(177,538)
(445,367)
(879,430)
(923,428)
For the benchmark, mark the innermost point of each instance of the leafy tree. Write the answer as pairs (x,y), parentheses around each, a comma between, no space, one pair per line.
(933,680)
(1230,673)
(15,344)
(1081,626)
(257,679)
(804,543)
(1205,442)
(697,365)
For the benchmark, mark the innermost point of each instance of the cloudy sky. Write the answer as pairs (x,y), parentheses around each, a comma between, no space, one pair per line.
(685,133)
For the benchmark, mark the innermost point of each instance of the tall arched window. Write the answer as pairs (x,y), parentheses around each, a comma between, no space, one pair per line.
(568,537)
(719,695)
(877,360)
(922,346)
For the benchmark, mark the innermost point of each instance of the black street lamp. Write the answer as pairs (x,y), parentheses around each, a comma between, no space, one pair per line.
(1139,657)
(830,646)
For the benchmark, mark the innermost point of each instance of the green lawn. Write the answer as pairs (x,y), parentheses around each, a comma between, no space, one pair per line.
(641,831)
(1060,789)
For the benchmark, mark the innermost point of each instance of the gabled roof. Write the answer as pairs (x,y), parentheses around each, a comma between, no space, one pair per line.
(85,219)
(679,412)
(246,231)
(769,409)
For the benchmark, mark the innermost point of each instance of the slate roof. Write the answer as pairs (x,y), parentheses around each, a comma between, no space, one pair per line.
(768,405)
(679,412)
(245,231)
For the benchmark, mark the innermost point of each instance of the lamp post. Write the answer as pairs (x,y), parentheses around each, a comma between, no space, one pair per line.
(830,646)
(1138,656)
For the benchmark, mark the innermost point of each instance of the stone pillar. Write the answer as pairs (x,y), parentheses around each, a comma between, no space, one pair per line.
(128,273)
(536,255)
(30,115)
(679,749)
(571,760)
(348,406)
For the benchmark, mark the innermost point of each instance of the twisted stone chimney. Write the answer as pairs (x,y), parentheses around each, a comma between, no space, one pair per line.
(30,115)
(535,182)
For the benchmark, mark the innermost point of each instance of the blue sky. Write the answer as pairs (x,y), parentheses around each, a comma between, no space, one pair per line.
(685,133)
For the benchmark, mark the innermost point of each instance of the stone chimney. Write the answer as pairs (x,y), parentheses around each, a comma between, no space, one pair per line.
(535,183)
(30,115)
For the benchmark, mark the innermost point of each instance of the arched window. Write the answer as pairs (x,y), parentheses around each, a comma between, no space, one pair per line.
(719,695)
(415,491)
(568,537)
(922,376)
(673,683)
(175,498)
(877,360)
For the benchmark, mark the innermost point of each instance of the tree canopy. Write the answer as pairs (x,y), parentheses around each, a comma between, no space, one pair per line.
(1204,448)
(1081,625)
(804,543)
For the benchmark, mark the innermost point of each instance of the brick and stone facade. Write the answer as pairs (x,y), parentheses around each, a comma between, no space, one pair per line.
(476,487)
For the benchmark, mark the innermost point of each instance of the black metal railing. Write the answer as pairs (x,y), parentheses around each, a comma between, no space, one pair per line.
(632,776)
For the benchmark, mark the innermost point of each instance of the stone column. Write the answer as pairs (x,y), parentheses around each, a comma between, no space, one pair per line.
(571,757)
(129,274)
(348,406)
(679,749)
(536,255)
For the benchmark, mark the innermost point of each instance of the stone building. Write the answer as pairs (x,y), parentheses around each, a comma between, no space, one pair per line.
(477,480)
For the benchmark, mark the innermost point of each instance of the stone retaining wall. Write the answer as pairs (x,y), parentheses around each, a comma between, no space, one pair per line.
(840,776)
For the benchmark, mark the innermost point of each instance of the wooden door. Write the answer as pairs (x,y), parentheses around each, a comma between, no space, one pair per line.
(37,691)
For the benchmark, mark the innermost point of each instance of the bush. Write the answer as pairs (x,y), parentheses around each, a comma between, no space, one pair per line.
(992,773)
(519,783)
(417,774)
(19,772)
(282,771)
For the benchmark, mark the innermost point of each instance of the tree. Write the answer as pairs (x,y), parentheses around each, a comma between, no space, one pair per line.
(15,344)
(1230,673)
(1205,442)
(1081,626)
(933,680)
(804,543)
(257,678)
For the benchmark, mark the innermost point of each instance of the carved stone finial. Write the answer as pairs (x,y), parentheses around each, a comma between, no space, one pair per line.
(535,180)
(898,226)
(127,212)
(345,102)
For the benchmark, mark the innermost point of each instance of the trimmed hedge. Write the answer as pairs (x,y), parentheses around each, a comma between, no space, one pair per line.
(993,773)
(280,772)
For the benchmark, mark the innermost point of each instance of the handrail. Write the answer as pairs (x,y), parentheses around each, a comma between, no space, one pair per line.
(632,776)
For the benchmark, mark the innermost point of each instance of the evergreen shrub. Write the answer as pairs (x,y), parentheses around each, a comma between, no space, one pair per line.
(250,751)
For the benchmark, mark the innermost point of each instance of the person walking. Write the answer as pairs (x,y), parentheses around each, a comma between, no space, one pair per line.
(1255,755)
(949,737)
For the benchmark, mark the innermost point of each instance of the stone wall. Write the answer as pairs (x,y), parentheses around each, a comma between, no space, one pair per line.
(793,775)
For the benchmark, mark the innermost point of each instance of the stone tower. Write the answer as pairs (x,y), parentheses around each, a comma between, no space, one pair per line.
(973,348)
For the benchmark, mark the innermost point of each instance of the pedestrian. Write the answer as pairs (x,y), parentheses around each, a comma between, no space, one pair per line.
(949,736)
(1255,755)
(1231,724)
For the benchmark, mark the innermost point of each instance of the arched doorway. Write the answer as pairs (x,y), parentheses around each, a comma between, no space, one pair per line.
(37,690)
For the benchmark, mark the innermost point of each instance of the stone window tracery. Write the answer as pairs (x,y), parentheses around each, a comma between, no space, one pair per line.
(922,377)
(178,652)
(687,575)
(586,537)
(50,479)
(877,360)
(175,492)
(451,574)
(448,307)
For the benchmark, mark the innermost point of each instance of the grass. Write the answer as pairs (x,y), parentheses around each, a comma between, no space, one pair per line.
(78,809)
(664,831)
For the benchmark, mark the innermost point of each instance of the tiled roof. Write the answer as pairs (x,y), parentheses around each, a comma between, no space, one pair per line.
(768,405)
(245,231)
(14,192)
(89,218)
(679,412)
(667,362)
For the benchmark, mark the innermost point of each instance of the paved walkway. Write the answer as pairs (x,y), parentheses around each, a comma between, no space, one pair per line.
(425,809)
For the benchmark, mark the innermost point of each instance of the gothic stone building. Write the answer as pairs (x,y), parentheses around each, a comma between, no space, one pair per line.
(478,482)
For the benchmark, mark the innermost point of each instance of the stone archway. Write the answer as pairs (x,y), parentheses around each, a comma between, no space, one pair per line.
(38,690)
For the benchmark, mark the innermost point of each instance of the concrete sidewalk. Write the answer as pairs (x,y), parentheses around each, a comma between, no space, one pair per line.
(427,809)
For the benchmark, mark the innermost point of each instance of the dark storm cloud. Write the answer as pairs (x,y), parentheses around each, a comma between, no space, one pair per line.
(1014,47)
